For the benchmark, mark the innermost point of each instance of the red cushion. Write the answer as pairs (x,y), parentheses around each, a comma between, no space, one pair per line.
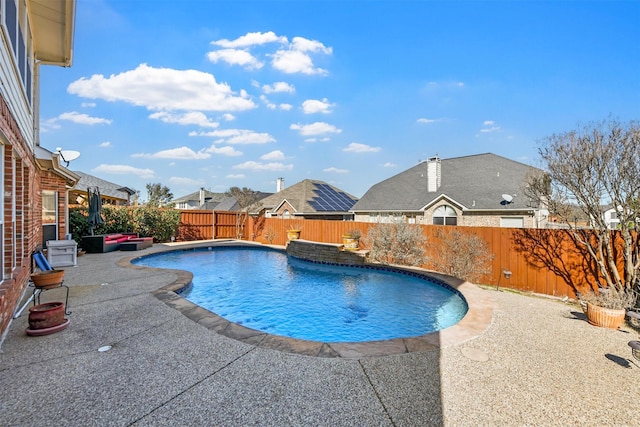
(112,237)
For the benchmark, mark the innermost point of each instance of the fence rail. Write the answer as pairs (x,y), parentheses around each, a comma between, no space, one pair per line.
(542,261)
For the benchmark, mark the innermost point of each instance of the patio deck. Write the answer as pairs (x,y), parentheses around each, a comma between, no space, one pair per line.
(538,363)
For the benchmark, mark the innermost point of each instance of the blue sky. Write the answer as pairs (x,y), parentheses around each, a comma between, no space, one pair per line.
(218,94)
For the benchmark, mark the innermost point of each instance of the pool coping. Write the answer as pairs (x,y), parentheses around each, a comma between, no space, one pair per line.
(475,322)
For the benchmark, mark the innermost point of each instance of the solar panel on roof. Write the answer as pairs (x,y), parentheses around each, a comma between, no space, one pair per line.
(328,199)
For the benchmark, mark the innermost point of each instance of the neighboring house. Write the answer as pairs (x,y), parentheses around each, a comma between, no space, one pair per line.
(610,215)
(477,190)
(110,193)
(308,199)
(206,200)
(34,183)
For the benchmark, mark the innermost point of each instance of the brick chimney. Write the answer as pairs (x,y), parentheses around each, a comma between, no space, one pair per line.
(433,174)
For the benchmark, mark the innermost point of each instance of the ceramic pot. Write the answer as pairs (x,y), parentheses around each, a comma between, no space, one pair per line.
(48,279)
(46,315)
(605,317)
(293,234)
(349,243)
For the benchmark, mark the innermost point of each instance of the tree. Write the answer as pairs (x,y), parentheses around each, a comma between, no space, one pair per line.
(594,166)
(245,196)
(159,195)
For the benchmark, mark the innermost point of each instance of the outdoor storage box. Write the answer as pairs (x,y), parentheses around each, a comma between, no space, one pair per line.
(62,253)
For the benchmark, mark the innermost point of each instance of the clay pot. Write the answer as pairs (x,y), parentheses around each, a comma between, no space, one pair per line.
(48,279)
(293,234)
(605,317)
(350,243)
(46,315)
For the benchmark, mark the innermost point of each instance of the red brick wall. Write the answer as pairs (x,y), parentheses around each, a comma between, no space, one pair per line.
(30,182)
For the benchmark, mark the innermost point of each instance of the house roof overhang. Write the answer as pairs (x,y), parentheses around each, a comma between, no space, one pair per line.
(52,24)
(48,161)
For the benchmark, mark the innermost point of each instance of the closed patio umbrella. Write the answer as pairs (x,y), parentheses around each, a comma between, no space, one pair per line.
(95,208)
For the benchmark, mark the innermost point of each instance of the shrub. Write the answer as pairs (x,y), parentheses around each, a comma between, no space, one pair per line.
(462,255)
(161,224)
(396,243)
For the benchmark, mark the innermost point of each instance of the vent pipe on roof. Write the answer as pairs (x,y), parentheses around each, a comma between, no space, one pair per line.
(279,185)
(433,174)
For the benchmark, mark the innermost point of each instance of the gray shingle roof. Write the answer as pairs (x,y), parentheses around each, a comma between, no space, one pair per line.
(106,188)
(306,198)
(473,182)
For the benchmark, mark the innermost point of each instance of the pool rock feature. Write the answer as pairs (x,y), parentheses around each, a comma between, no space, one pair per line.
(330,253)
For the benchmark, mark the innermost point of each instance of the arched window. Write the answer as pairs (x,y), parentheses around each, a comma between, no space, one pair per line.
(286,214)
(445,215)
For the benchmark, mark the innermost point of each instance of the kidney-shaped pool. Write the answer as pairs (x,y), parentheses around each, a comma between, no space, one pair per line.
(269,291)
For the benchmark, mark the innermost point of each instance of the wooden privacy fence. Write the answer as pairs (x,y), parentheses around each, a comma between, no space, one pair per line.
(542,261)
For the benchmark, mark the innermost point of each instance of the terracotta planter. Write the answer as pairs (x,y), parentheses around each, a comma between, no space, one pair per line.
(350,243)
(46,315)
(605,317)
(48,279)
(293,234)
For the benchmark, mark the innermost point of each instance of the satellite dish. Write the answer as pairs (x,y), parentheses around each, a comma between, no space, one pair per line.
(507,198)
(68,155)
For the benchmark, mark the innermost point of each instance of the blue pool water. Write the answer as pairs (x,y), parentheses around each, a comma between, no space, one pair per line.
(271,292)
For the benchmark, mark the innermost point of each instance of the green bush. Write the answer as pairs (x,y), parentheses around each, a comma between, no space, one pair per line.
(161,224)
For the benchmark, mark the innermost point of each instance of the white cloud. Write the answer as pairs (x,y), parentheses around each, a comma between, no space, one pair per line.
(317,128)
(428,121)
(83,119)
(179,180)
(489,126)
(279,87)
(273,155)
(389,165)
(286,107)
(225,151)
(191,118)
(257,166)
(250,39)
(105,144)
(180,153)
(237,136)
(270,105)
(335,170)
(235,176)
(228,117)
(355,147)
(163,89)
(235,57)
(124,170)
(311,106)
(297,59)
(88,104)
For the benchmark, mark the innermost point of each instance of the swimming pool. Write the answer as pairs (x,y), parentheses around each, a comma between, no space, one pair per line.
(271,292)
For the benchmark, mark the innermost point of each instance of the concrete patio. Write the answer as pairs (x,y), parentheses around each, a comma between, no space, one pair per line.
(538,363)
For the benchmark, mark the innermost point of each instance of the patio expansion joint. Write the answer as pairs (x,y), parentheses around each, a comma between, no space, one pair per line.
(190,387)
(375,390)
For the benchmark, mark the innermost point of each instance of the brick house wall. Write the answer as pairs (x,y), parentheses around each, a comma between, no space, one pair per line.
(19,164)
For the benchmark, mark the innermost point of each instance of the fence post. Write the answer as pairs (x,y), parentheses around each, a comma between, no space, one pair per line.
(213,224)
